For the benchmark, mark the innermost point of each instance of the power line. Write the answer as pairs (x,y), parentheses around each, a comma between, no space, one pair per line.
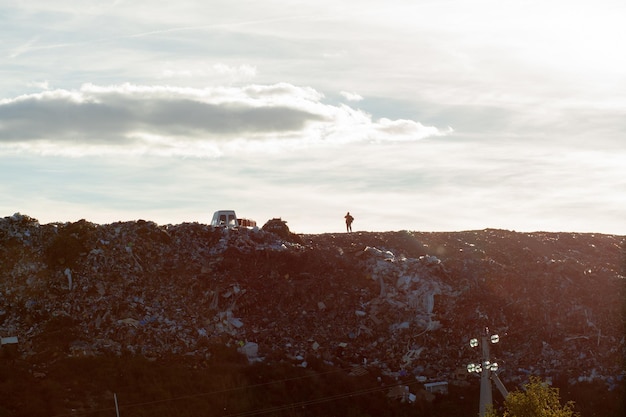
(252,412)
(225,391)
(315,401)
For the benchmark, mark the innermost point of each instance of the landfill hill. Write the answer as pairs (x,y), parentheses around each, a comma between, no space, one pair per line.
(401,303)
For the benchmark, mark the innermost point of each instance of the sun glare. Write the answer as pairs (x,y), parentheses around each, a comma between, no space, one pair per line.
(577,39)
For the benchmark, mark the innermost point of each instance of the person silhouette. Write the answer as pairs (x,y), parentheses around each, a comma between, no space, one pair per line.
(349,220)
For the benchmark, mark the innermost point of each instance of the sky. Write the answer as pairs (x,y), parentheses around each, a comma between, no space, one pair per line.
(411,114)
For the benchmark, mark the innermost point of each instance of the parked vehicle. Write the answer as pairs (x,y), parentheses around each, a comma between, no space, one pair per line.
(228,218)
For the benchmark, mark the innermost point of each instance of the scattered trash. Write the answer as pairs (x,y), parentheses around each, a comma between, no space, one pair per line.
(404,303)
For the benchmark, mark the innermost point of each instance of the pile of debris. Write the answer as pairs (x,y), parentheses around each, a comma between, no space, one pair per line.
(406,303)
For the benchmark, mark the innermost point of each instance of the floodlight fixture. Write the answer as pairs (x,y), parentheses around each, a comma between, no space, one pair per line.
(485,369)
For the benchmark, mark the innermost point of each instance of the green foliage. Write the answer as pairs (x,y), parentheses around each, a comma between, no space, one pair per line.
(537,400)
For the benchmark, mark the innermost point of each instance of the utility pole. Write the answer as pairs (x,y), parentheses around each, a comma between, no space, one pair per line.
(486,399)
(487,370)
(117,409)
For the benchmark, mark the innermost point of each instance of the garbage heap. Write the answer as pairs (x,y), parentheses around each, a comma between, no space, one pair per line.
(403,303)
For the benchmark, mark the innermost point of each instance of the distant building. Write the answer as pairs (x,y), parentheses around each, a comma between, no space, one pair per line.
(437,387)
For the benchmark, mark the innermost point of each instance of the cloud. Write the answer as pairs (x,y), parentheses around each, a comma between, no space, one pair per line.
(217,71)
(42,85)
(22,49)
(351,96)
(153,119)
(404,129)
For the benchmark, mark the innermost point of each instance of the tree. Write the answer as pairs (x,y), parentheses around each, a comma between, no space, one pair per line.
(537,400)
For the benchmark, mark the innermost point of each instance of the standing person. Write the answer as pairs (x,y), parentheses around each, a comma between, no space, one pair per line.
(349,220)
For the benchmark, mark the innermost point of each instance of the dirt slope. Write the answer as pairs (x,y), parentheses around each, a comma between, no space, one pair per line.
(403,302)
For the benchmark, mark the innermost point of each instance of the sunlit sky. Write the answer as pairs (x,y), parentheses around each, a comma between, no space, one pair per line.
(412,115)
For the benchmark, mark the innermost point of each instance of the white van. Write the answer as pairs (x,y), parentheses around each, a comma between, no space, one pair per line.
(224,218)
(228,218)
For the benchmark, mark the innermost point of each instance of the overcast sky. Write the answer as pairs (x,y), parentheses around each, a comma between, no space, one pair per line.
(411,114)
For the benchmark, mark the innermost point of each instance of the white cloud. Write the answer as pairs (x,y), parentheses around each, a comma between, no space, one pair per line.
(351,96)
(166,120)
(42,85)
(217,73)
(405,130)
(242,71)
(22,49)
(524,85)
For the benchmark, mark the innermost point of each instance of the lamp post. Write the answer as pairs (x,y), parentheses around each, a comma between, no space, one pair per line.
(487,371)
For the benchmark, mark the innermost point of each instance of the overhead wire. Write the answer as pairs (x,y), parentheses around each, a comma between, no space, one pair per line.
(251,412)
(315,401)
